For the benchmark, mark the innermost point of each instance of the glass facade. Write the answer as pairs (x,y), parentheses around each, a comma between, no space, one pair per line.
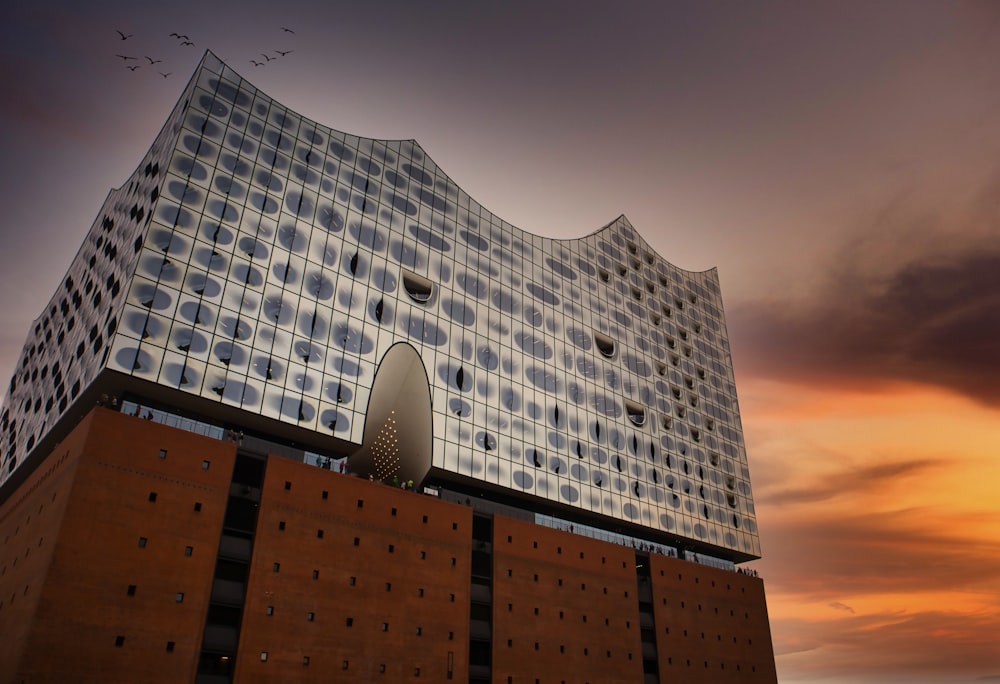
(262,261)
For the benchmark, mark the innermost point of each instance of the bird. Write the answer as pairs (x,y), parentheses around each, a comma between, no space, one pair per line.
(132,68)
(266,58)
(256,63)
(179,36)
(287,30)
(153,61)
(124,57)
(284,52)
(186,42)
(164,75)
(123,35)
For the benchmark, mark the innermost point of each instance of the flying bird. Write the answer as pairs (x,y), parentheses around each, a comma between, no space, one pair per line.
(284,52)
(186,42)
(132,68)
(153,61)
(179,36)
(124,58)
(256,63)
(268,59)
(287,30)
(123,35)
(164,75)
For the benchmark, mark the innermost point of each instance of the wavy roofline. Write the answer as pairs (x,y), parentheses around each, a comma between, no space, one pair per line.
(605,227)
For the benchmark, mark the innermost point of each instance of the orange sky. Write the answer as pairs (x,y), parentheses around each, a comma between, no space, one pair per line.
(837,160)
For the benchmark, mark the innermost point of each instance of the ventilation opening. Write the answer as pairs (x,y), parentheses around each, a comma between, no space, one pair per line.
(636,413)
(622,271)
(650,288)
(655,318)
(649,258)
(419,288)
(661,368)
(636,264)
(637,294)
(713,458)
(604,275)
(632,248)
(605,345)
(666,422)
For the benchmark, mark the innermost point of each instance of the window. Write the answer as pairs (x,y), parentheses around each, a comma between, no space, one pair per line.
(350,622)
(179,598)
(152,497)
(388,586)
(394,512)
(361,502)
(423,555)
(636,413)
(281,524)
(205,465)
(420,592)
(392,548)
(263,656)
(276,567)
(188,550)
(288,485)
(357,541)
(417,287)
(163,453)
(420,631)
(310,617)
(319,534)
(305,661)
(119,641)
(142,542)
(170,647)
(344,665)
(385,628)
(605,345)
(131,590)
(197,507)
(315,574)
(269,611)
(352,581)
(451,597)
(326,495)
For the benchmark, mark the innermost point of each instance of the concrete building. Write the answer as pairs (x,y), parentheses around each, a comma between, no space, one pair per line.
(270,324)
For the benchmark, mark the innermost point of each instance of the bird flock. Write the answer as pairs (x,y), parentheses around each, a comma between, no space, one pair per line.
(135,62)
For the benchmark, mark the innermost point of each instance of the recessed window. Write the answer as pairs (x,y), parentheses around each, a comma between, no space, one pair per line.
(305,661)
(119,641)
(131,590)
(269,611)
(152,497)
(163,453)
(385,628)
(604,275)
(349,622)
(205,465)
(605,345)
(288,485)
(197,506)
(636,413)
(310,617)
(276,567)
(188,550)
(319,534)
(281,524)
(142,542)
(315,574)
(352,581)
(170,647)
(263,656)
(417,287)
(179,598)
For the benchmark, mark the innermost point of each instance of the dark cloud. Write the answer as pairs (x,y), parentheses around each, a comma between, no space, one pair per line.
(850,482)
(915,647)
(823,556)
(933,319)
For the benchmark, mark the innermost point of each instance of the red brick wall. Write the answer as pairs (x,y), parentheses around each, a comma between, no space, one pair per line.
(572,595)
(413,543)
(711,624)
(84,604)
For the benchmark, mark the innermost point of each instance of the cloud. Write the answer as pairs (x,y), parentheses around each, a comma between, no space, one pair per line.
(916,298)
(851,481)
(837,605)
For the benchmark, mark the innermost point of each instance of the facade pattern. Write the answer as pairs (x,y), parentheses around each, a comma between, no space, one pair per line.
(264,262)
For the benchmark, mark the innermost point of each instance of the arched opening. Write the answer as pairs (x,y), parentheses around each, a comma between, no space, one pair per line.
(398,438)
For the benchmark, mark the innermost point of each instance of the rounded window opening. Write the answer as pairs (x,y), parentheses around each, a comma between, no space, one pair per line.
(604,275)
(605,345)
(636,294)
(636,413)
(419,288)
(666,422)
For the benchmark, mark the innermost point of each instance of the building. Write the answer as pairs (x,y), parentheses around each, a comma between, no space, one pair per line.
(268,302)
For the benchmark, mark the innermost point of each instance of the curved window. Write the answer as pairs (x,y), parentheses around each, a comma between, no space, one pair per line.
(636,413)
(605,345)
(419,288)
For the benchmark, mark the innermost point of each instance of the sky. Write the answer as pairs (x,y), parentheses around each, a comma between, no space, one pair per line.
(839,162)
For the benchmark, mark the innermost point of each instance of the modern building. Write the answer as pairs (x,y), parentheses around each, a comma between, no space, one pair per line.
(270,325)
